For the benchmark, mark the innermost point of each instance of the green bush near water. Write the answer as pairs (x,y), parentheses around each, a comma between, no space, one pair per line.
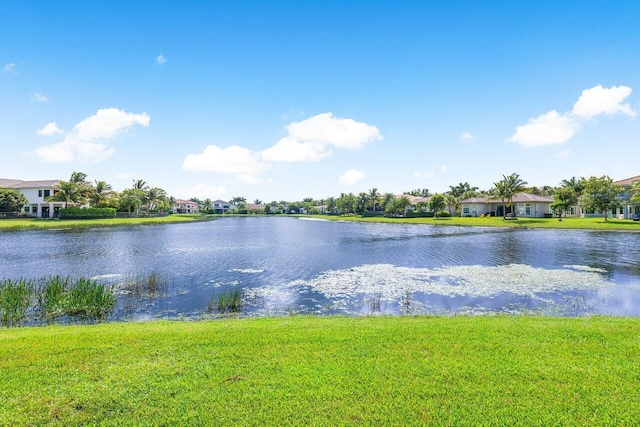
(15,301)
(87,213)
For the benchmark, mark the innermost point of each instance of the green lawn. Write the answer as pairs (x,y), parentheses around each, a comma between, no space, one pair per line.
(566,223)
(325,371)
(33,223)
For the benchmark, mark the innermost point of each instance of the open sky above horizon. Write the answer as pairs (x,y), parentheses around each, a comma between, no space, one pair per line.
(283,100)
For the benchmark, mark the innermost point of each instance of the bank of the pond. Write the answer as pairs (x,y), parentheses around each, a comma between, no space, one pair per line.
(566,223)
(39,224)
(325,371)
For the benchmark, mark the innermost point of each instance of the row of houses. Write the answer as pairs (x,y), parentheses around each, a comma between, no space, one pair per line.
(523,204)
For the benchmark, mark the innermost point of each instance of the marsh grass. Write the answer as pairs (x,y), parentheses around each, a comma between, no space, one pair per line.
(16,297)
(146,283)
(227,302)
(81,299)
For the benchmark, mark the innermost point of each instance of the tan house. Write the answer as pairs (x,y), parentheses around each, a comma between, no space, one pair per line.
(523,205)
(185,206)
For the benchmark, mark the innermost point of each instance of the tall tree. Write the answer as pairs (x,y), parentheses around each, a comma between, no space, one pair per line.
(100,194)
(374,198)
(362,202)
(140,184)
(391,205)
(12,200)
(565,198)
(599,195)
(507,188)
(403,203)
(437,203)
(576,184)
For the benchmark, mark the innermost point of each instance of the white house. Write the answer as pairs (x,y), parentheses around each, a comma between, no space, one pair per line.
(220,206)
(36,193)
(627,209)
(523,205)
(185,206)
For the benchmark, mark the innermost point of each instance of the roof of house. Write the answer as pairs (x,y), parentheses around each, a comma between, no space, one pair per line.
(221,201)
(517,198)
(628,181)
(253,206)
(184,202)
(415,199)
(17,183)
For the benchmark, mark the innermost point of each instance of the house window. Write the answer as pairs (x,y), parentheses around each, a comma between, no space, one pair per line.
(465,210)
(39,193)
(527,209)
(47,193)
(27,209)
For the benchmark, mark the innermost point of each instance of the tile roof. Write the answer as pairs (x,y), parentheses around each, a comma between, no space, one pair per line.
(17,183)
(628,181)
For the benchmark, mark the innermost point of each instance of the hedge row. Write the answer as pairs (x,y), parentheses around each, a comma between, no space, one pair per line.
(87,213)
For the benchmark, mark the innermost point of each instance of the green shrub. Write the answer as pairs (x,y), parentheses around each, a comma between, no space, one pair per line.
(443,214)
(87,213)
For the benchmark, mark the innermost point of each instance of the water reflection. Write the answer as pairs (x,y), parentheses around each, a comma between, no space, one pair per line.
(286,265)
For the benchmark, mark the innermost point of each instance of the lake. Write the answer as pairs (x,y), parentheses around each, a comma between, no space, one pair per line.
(292,265)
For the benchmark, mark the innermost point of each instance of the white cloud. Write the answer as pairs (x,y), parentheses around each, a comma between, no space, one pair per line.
(161,59)
(329,130)
(546,129)
(307,141)
(351,177)
(107,123)
(241,162)
(419,175)
(564,154)
(444,169)
(204,191)
(50,129)
(291,150)
(80,143)
(553,128)
(40,98)
(11,68)
(599,100)
(468,136)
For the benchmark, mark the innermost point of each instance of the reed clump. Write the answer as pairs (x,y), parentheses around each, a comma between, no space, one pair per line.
(227,302)
(16,298)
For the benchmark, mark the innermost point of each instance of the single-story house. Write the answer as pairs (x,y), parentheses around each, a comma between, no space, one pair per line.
(185,206)
(36,193)
(523,205)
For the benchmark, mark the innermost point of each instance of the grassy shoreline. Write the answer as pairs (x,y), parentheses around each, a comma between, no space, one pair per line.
(597,224)
(48,224)
(493,370)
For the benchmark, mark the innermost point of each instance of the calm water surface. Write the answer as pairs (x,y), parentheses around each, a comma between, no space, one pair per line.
(286,265)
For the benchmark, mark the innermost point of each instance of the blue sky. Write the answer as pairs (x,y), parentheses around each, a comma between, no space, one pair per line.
(286,100)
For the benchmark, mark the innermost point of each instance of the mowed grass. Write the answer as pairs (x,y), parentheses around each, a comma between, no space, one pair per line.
(34,223)
(566,223)
(325,371)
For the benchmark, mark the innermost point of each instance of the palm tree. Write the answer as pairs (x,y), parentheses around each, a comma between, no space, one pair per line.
(451,200)
(65,191)
(257,202)
(362,201)
(207,204)
(499,192)
(576,184)
(386,198)
(154,197)
(403,204)
(374,198)
(140,184)
(391,205)
(101,192)
(507,188)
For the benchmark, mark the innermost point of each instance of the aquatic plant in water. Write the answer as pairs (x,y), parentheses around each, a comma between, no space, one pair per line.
(229,301)
(16,297)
